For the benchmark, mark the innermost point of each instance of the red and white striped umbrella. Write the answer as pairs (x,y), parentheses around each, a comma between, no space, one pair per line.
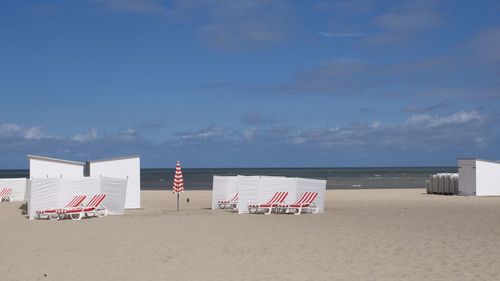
(178,179)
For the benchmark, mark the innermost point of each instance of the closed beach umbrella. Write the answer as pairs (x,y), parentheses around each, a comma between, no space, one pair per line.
(178,182)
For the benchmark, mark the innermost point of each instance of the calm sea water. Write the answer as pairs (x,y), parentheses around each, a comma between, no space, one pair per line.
(337,178)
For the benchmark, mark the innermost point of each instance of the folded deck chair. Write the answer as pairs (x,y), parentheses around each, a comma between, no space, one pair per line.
(5,194)
(93,208)
(274,203)
(232,203)
(53,214)
(304,203)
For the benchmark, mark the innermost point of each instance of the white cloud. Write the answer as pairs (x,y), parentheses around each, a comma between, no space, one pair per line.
(249,134)
(10,130)
(88,136)
(421,130)
(212,132)
(429,121)
(34,133)
(335,34)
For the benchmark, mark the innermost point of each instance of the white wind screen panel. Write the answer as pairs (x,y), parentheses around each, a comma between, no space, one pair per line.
(270,185)
(43,194)
(115,190)
(124,168)
(51,168)
(57,192)
(19,188)
(69,188)
(248,189)
(224,188)
(218,190)
(304,185)
(231,187)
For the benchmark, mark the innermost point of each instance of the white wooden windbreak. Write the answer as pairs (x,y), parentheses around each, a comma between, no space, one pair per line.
(19,188)
(48,193)
(259,189)
(224,188)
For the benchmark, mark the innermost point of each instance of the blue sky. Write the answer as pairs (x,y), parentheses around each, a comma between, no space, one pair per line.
(221,83)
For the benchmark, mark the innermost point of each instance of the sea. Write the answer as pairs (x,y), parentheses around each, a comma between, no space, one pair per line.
(337,178)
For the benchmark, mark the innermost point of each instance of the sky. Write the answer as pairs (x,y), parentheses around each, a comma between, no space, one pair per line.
(263,83)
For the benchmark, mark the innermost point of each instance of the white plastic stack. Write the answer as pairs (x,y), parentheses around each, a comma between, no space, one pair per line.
(442,183)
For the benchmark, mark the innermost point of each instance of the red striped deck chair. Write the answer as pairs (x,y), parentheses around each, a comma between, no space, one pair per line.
(229,204)
(274,203)
(93,208)
(53,214)
(304,203)
(5,194)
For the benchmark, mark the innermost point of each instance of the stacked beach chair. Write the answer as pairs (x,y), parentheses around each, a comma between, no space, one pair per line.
(442,183)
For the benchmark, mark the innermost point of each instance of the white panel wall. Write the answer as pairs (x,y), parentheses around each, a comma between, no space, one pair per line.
(249,189)
(126,168)
(57,192)
(467,176)
(231,187)
(218,190)
(487,178)
(256,189)
(319,186)
(19,188)
(41,168)
(270,185)
(115,190)
(43,194)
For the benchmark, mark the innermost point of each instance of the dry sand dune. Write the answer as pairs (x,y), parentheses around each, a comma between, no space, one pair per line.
(363,235)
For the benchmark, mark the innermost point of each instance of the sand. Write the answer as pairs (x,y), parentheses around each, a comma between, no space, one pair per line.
(364,235)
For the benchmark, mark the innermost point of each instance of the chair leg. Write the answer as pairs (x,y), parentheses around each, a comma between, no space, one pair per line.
(77,217)
(53,218)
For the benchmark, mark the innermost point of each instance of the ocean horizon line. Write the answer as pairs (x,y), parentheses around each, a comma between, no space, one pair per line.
(275,168)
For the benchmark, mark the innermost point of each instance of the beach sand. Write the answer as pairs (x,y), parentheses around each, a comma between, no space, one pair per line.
(398,234)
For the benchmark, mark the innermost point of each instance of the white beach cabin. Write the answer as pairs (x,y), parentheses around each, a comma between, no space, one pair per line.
(478,177)
(129,168)
(46,167)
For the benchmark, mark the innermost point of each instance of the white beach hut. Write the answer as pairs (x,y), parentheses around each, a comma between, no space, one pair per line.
(46,167)
(478,177)
(129,168)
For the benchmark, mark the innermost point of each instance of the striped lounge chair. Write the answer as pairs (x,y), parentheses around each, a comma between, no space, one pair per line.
(229,204)
(304,204)
(274,203)
(93,208)
(5,194)
(53,214)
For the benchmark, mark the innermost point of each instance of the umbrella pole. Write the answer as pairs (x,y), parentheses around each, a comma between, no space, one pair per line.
(177,202)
